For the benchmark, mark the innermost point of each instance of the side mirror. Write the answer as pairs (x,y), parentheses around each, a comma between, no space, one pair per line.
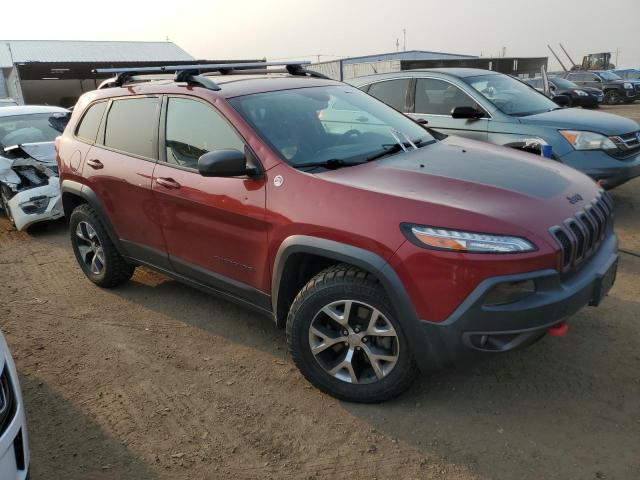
(466,112)
(562,100)
(224,163)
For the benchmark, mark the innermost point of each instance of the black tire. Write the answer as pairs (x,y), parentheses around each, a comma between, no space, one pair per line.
(4,203)
(116,270)
(612,97)
(346,283)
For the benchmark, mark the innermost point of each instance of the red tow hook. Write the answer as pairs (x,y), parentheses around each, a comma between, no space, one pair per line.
(559,330)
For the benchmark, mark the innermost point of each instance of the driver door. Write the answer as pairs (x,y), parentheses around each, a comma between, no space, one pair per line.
(434,100)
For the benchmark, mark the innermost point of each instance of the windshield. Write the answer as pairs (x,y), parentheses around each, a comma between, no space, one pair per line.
(610,76)
(562,83)
(510,96)
(38,127)
(632,75)
(320,124)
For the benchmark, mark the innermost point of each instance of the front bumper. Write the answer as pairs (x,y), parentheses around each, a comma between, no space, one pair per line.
(600,166)
(52,212)
(474,326)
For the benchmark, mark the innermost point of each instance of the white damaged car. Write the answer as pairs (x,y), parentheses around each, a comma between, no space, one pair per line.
(29,184)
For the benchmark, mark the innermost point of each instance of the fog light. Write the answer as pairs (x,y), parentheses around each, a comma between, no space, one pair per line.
(509,292)
(35,205)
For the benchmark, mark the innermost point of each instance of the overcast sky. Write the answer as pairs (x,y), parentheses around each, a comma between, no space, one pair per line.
(289,29)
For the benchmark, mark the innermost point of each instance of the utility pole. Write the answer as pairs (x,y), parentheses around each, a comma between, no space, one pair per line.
(404,39)
(397,44)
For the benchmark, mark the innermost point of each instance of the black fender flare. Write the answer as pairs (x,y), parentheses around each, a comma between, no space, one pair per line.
(422,346)
(90,197)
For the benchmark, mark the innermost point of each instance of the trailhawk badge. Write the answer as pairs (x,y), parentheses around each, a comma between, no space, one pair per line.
(278,180)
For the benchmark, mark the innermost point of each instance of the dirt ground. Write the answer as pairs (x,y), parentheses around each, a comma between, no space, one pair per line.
(155,380)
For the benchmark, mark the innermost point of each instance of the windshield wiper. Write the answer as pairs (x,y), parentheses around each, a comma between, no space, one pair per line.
(395,148)
(331,163)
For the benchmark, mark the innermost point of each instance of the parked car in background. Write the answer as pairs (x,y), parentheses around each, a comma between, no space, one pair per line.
(29,183)
(14,442)
(632,74)
(585,97)
(499,109)
(616,90)
(8,102)
(379,248)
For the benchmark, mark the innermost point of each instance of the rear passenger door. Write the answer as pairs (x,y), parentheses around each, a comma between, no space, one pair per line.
(215,227)
(434,100)
(119,168)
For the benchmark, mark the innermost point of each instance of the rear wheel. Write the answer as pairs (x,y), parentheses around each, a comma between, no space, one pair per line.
(95,252)
(611,97)
(345,339)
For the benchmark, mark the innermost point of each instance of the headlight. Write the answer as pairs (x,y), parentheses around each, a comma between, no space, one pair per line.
(581,93)
(459,241)
(628,85)
(587,140)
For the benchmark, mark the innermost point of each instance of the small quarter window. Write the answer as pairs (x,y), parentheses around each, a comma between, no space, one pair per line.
(90,123)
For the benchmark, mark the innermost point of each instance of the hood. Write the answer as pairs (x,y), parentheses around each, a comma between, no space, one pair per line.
(594,91)
(42,151)
(452,181)
(579,119)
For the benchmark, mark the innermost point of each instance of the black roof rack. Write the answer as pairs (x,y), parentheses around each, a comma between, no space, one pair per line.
(194,73)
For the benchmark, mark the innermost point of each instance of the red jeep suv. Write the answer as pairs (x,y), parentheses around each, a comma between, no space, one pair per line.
(383,247)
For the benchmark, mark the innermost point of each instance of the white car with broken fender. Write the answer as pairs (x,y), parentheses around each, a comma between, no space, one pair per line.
(29,183)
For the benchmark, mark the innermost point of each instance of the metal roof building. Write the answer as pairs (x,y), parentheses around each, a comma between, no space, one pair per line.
(58,71)
(347,68)
(25,51)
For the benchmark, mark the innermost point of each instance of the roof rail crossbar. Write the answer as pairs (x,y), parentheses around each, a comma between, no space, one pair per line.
(295,69)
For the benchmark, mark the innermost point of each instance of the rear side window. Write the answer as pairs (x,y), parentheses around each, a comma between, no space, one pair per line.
(132,125)
(391,92)
(194,129)
(90,123)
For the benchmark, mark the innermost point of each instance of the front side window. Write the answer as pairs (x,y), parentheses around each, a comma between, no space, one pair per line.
(391,92)
(609,76)
(32,128)
(437,97)
(90,123)
(132,125)
(300,124)
(509,95)
(194,129)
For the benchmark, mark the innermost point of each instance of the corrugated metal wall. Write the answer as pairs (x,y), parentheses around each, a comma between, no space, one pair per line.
(332,69)
(370,68)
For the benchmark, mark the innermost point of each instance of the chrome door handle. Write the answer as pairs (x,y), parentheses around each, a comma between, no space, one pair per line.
(95,164)
(169,183)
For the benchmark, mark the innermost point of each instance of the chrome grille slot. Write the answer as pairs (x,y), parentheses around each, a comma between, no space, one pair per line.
(589,228)
(580,236)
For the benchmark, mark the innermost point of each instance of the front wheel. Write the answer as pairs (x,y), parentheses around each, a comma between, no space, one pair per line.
(4,203)
(612,97)
(346,340)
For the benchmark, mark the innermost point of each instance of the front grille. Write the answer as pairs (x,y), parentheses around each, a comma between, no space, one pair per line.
(580,236)
(628,144)
(7,401)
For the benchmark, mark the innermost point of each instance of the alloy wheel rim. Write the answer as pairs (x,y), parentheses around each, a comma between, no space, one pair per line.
(90,248)
(354,342)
